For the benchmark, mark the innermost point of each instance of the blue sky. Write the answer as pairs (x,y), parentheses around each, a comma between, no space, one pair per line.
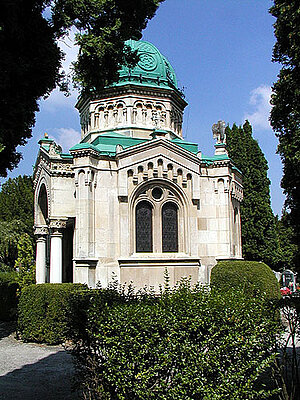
(221,52)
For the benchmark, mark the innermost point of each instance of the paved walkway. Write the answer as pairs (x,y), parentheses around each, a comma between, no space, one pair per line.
(31,371)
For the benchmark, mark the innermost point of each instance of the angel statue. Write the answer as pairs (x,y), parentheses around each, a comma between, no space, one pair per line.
(219,132)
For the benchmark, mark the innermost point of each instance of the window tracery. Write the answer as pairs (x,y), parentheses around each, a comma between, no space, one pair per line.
(157,213)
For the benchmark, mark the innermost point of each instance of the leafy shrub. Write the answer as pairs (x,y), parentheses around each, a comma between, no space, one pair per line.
(25,262)
(188,343)
(253,277)
(45,311)
(9,276)
(10,232)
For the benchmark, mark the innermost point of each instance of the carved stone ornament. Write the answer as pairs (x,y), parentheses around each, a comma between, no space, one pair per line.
(58,224)
(61,167)
(54,149)
(219,132)
(41,230)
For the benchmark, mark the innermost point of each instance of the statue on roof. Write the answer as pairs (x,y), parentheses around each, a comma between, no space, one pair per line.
(219,132)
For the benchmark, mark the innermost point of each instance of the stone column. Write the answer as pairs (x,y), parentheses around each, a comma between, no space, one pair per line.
(56,237)
(41,233)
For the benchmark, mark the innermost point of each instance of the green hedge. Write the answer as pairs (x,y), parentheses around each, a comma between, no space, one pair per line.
(187,343)
(46,311)
(253,277)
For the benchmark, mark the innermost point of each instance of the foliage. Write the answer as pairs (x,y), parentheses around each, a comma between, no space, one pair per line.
(10,233)
(285,113)
(287,249)
(45,312)
(30,58)
(253,278)
(8,295)
(286,368)
(16,201)
(8,276)
(258,224)
(103,27)
(29,68)
(188,343)
(25,262)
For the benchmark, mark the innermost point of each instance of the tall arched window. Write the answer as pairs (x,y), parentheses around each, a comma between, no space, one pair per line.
(169,228)
(43,205)
(143,227)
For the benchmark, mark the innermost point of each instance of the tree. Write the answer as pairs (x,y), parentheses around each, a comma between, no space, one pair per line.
(16,201)
(10,233)
(285,114)
(287,249)
(29,67)
(30,58)
(103,26)
(258,225)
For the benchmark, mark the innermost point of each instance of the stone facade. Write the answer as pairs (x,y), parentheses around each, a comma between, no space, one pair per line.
(133,198)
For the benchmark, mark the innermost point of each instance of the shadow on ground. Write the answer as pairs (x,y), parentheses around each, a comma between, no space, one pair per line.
(47,379)
(7,328)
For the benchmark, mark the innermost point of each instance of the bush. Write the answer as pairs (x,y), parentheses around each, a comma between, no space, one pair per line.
(8,276)
(25,262)
(186,344)
(45,311)
(253,277)
(8,296)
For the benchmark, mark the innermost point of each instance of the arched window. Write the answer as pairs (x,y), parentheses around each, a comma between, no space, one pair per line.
(43,205)
(143,227)
(169,228)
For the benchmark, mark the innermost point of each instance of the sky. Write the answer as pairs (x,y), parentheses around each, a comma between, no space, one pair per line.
(221,52)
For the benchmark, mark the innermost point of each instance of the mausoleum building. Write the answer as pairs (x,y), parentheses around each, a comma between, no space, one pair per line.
(133,197)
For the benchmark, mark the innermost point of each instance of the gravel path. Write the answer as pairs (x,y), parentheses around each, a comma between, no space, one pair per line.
(31,371)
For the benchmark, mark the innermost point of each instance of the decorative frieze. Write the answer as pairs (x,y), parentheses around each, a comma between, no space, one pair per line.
(58,224)
(41,230)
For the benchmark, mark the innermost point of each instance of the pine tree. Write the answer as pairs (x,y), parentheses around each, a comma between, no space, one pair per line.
(259,238)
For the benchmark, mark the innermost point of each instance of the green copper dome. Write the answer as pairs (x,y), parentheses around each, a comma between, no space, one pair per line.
(153,69)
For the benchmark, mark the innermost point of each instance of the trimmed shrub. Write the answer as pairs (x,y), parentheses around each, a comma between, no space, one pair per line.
(8,296)
(252,277)
(45,311)
(188,343)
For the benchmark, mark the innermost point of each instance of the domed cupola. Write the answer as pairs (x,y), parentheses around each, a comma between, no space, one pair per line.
(153,69)
(145,98)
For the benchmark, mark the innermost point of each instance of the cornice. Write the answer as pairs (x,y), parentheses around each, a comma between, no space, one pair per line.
(133,90)
(154,144)
(54,166)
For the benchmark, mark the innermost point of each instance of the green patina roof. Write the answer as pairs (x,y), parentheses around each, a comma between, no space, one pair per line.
(107,143)
(192,147)
(153,69)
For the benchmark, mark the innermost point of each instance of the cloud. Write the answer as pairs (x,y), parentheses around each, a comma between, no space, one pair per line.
(66,137)
(57,99)
(260,102)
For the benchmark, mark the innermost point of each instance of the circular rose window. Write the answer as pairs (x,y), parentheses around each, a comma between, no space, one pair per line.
(157,193)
